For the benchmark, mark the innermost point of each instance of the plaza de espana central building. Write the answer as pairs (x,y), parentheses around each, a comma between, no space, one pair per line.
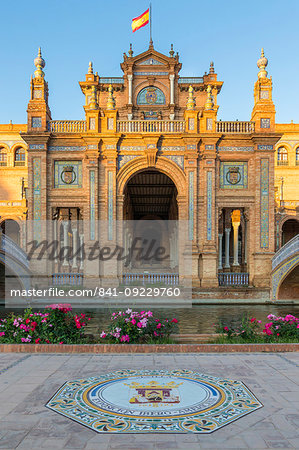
(151,147)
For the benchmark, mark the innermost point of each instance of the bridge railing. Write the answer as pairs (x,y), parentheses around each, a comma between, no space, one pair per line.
(233,279)
(287,250)
(13,249)
(151,278)
(70,279)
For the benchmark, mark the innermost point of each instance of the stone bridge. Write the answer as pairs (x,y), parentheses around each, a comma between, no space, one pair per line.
(283,263)
(15,261)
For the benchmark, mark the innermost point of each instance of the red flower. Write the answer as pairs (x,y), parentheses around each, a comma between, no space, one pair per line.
(174,320)
(27,320)
(61,342)
(225,329)
(47,341)
(159,325)
(252,319)
(37,340)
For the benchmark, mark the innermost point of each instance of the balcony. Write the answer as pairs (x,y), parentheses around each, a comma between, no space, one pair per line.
(150,126)
(67,279)
(67,126)
(151,278)
(233,279)
(235,127)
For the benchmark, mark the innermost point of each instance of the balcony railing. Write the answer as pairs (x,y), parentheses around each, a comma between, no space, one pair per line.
(151,126)
(190,80)
(69,279)
(233,279)
(151,278)
(67,126)
(283,162)
(115,80)
(235,127)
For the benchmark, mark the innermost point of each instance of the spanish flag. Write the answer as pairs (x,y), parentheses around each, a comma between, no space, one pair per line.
(140,21)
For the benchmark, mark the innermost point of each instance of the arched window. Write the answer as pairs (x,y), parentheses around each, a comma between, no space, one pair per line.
(297,156)
(20,157)
(282,156)
(151,95)
(3,157)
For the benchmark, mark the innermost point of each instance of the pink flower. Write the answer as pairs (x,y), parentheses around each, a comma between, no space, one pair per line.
(125,338)
(2,333)
(103,334)
(37,340)
(226,328)
(174,320)
(133,321)
(139,325)
(159,326)
(61,342)
(252,319)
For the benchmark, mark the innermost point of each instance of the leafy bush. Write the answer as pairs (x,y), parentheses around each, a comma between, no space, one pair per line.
(138,327)
(54,325)
(246,329)
(282,327)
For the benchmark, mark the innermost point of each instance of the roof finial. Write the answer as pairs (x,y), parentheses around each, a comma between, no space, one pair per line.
(151,44)
(191,100)
(130,51)
(90,68)
(171,51)
(209,101)
(39,63)
(93,101)
(111,100)
(262,64)
(212,67)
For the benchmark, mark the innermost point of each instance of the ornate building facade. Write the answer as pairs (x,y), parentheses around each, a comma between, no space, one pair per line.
(151,146)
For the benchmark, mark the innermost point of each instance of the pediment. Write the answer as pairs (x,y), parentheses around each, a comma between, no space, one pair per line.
(150,62)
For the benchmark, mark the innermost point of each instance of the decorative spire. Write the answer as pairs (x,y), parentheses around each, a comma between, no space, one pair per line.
(212,67)
(93,101)
(90,68)
(171,51)
(130,51)
(151,44)
(209,101)
(262,64)
(39,63)
(191,100)
(111,100)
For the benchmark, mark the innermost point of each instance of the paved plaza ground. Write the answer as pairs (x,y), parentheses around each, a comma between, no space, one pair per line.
(28,381)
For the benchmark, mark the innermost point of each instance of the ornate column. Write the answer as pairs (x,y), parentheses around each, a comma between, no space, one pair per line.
(220,235)
(81,238)
(75,247)
(65,224)
(236,219)
(227,236)
(130,90)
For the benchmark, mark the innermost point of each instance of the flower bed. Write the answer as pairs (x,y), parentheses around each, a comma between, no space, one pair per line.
(54,325)
(138,327)
(278,329)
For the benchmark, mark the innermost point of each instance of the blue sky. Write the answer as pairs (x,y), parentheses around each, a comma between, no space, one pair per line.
(72,32)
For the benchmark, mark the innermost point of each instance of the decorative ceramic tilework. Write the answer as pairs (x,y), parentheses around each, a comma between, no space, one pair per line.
(151,146)
(191,147)
(191,205)
(151,62)
(53,148)
(37,93)
(150,73)
(264,203)
(150,96)
(280,274)
(92,123)
(110,146)
(123,159)
(68,174)
(209,205)
(154,401)
(191,124)
(178,159)
(110,123)
(265,147)
(92,204)
(133,148)
(265,123)
(209,147)
(264,94)
(36,162)
(233,175)
(209,124)
(36,146)
(176,148)
(235,149)
(92,147)
(110,205)
(36,122)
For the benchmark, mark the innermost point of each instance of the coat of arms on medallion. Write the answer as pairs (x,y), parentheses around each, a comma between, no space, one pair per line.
(233,175)
(154,393)
(68,175)
(151,95)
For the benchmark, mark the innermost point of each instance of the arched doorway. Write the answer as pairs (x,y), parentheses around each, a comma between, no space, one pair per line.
(11,228)
(289,288)
(150,213)
(290,229)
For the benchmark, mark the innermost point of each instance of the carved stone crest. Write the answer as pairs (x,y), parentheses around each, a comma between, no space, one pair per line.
(68,175)
(233,175)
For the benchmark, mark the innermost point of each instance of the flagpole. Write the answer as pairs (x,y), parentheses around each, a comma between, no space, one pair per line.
(150,10)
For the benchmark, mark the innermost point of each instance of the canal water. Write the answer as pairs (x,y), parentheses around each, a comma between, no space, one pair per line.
(198,319)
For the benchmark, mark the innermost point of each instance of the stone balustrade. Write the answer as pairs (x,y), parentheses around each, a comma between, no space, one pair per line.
(151,278)
(235,127)
(67,126)
(151,126)
(67,279)
(233,279)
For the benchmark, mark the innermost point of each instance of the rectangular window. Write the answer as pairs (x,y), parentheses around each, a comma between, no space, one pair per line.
(209,124)
(92,123)
(191,124)
(110,123)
